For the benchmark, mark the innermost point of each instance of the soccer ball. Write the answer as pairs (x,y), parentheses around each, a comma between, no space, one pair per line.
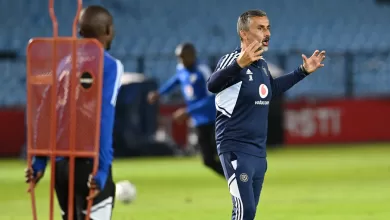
(125,191)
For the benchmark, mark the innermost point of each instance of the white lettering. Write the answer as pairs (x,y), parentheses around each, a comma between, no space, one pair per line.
(323,118)
(311,122)
(261,102)
(307,123)
(336,121)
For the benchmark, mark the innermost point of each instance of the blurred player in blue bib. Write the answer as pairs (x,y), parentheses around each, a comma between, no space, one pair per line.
(192,77)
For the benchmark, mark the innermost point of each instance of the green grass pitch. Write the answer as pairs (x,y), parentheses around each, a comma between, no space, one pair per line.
(337,183)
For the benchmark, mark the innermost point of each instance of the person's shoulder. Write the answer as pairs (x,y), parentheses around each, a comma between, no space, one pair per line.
(109,58)
(234,53)
(110,61)
(227,59)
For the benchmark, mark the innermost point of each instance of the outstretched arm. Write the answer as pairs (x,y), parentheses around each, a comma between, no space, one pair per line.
(169,85)
(223,75)
(198,106)
(283,83)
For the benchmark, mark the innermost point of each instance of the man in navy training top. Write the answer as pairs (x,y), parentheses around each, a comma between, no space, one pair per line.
(244,88)
(192,77)
(95,22)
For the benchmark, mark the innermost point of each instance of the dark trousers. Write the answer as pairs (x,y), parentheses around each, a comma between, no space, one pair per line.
(102,205)
(208,147)
(245,176)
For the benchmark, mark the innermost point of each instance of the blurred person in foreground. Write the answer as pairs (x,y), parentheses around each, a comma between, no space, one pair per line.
(94,22)
(244,88)
(192,77)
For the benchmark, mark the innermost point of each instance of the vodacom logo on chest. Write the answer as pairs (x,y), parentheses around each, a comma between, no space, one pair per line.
(263,92)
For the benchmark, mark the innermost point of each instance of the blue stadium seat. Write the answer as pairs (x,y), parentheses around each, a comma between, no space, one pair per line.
(153,29)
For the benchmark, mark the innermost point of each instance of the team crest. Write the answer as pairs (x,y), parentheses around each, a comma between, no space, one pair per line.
(263,91)
(244,177)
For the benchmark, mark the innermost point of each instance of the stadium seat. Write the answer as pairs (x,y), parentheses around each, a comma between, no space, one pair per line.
(153,29)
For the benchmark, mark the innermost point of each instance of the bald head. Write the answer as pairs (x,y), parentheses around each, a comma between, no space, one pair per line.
(186,53)
(97,22)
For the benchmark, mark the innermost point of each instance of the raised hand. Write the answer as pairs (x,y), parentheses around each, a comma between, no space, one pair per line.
(314,62)
(250,54)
